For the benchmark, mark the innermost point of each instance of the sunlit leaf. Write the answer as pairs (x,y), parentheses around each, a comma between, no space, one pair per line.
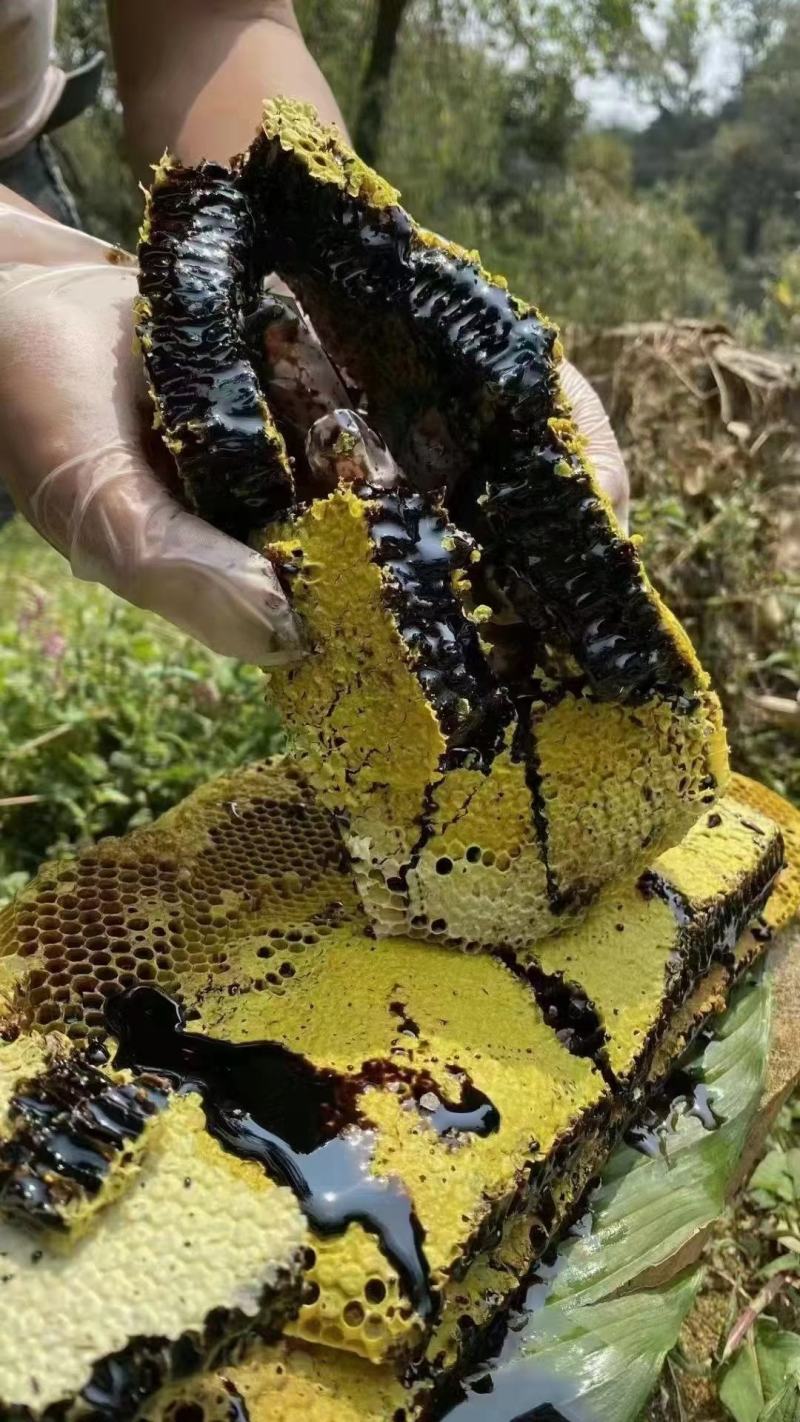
(594,1349)
(646,1209)
(764,1372)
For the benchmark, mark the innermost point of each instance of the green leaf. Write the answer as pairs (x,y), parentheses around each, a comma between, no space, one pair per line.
(786,1406)
(793,1166)
(768,1360)
(647,1209)
(741,1389)
(597,1344)
(773,1176)
(610,1353)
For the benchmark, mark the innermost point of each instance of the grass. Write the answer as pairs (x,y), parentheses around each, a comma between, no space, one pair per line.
(109,715)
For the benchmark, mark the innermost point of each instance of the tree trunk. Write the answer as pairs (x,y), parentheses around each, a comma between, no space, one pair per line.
(375,86)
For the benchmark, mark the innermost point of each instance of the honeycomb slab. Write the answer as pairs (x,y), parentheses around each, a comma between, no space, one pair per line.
(157,1289)
(73,1134)
(444,1110)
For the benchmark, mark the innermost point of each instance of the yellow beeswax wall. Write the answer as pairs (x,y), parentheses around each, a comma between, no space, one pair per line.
(241,902)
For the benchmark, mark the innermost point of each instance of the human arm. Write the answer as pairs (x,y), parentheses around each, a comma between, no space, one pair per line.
(193,74)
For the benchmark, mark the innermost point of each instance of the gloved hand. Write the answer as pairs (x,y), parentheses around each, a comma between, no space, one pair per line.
(602,447)
(82,464)
(79,457)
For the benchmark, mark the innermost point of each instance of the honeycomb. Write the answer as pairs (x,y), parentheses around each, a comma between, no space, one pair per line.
(72,1136)
(156,1289)
(784,902)
(450,361)
(242,899)
(248,857)
(708,890)
(291,1380)
(581,700)
(415,1007)
(481,856)
(195,283)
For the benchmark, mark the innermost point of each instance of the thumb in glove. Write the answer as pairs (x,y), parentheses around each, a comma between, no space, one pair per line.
(74,429)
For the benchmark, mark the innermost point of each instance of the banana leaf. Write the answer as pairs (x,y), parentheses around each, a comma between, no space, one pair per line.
(594,1340)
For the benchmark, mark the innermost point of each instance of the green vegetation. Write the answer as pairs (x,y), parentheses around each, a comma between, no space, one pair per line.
(109,715)
(477,110)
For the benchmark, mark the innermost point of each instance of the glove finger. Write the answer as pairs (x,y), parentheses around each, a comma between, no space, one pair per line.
(118,526)
(47,243)
(601,442)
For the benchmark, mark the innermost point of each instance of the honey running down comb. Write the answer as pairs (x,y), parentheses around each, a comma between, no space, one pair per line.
(408,1114)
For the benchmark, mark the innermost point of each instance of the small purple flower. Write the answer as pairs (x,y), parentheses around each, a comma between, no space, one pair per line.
(54,645)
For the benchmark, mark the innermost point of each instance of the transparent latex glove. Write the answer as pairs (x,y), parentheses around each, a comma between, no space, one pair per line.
(80,460)
(601,442)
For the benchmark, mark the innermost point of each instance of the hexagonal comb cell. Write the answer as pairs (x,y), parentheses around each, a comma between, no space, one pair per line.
(445,1074)
(252,857)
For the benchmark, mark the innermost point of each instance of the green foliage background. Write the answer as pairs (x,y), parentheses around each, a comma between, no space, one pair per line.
(484,125)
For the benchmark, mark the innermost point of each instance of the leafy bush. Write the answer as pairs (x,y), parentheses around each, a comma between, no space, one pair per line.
(109,715)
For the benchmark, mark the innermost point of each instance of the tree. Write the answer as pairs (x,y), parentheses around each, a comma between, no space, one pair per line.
(377,74)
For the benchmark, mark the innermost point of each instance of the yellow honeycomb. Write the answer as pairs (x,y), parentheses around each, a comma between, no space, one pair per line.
(368,739)
(105,1115)
(477,858)
(292,1381)
(419,1007)
(249,857)
(241,901)
(162,1278)
(620,784)
(784,902)
(718,871)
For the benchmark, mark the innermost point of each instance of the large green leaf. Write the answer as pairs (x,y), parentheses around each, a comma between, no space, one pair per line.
(593,1350)
(763,1382)
(647,1208)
